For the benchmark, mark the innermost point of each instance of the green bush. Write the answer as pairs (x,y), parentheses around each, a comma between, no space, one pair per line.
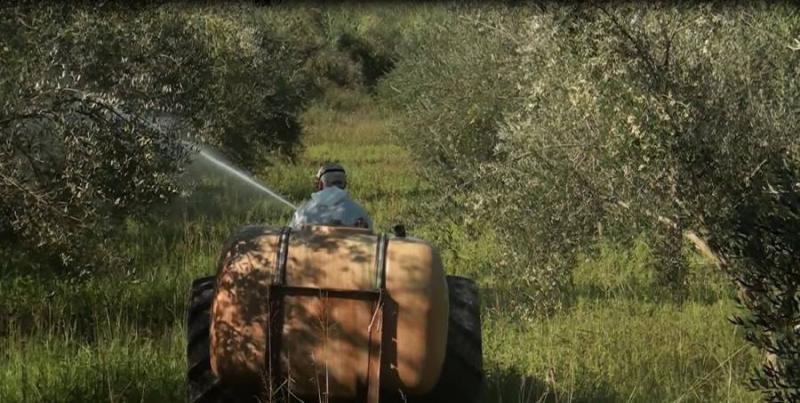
(453,84)
(360,44)
(510,107)
(572,124)
(81,87)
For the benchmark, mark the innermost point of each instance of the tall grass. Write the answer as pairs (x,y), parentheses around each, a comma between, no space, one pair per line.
(623,340)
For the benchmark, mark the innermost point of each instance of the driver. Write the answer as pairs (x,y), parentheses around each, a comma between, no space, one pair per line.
(330,204)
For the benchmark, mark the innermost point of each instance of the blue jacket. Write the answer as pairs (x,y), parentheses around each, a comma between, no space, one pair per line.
(331,206)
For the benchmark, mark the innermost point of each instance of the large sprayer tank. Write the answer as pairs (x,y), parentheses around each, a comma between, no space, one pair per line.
(327,338)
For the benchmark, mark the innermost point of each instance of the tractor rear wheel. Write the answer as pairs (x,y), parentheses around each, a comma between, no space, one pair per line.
(461,379)
(202,384)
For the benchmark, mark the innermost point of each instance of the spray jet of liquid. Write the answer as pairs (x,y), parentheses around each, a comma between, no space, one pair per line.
(241,175)
(203,152)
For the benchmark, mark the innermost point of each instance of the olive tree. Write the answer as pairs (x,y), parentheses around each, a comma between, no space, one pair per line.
(80,87)
(611,122)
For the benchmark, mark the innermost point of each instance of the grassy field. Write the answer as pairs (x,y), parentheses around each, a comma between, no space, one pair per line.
(118,336)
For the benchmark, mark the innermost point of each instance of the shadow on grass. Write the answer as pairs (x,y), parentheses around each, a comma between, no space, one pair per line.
(511,386)
(85,311)
(121,371)
(698,293)
(145,285)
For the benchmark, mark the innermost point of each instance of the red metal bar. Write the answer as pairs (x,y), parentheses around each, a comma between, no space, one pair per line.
(375,359)
(275,315)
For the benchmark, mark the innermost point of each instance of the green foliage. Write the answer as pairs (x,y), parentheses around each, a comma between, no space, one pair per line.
(673,119)
(257,87)
(452,86)
(454,83)
(72,164)
(82,87)
(765,245)
(71,168)
(360,44)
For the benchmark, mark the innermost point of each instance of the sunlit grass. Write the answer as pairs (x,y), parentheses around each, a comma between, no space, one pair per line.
(621,350)
(622,339)
(120,363)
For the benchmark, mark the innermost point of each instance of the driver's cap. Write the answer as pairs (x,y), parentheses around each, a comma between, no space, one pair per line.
(332,174)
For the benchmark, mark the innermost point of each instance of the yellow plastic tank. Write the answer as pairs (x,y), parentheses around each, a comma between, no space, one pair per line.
(326,341)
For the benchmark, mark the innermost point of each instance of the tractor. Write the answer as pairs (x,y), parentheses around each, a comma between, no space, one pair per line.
(332,314)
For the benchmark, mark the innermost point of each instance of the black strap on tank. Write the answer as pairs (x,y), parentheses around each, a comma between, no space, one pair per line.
(283,251)
(380,261)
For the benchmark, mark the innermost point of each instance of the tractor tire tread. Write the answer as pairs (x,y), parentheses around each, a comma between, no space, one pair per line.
(461,379)
(202,385)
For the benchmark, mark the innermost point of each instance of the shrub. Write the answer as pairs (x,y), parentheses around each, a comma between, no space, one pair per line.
(659,119)
(71,168)
(81,86)
(360,44)
(762,244)
(559,133)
